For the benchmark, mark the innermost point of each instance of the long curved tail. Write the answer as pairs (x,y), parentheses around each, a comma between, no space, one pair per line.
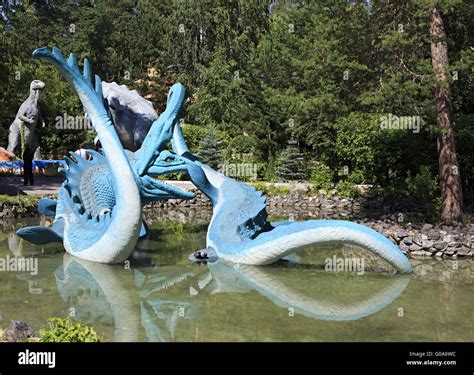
(290,237)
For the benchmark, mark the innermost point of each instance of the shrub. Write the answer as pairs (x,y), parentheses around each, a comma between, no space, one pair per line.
(356,177)
(270,189)
(64,330)
(424,185)
(347,189)
(321,177)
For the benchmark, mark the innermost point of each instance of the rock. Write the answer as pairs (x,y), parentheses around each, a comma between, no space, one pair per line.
(447,238)
(426,227)
(426,244)
(417,240)
(407,241)
(463,251)
(18,331)
(450,251)
(417,253)
(439,254)
(439,245)
(401,234)
(404,248)
(434,236)
(415,248)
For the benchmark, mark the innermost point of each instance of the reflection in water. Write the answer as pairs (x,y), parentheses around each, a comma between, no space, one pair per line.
(163,297)
(280,294)
(95,287)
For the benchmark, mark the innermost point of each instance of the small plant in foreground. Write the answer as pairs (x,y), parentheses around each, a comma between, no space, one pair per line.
(65,330)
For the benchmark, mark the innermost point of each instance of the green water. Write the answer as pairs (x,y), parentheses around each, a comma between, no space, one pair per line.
(160,296)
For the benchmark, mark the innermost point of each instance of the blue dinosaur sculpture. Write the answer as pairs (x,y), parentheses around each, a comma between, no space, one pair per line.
(98,214)
(240,233)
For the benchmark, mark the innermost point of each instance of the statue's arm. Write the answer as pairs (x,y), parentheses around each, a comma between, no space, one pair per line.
(22,117)
(21,114)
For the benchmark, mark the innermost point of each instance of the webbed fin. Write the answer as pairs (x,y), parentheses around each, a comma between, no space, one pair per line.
(39,235)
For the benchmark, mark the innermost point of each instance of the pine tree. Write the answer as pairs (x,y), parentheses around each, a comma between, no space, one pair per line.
(209,151)
(291,164)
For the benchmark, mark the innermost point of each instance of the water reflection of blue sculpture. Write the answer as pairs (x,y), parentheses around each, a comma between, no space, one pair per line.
(162,300)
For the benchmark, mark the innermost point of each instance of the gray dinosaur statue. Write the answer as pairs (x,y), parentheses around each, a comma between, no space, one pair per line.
(29,114)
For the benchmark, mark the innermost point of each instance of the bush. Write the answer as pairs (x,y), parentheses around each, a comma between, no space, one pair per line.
(270,189)
(321,177)
(347,189)
(379,156)
(424,185)
(64,330)
(356,177)
(193,135)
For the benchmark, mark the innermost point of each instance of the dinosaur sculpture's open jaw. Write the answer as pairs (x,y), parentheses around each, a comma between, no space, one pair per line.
(165,163)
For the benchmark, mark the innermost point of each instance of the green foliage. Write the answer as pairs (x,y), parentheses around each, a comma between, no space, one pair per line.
(356,177)
(321,74)
(65,330)
(464,143)
(22,202)
(270,189)
(193,134)
(321,177)
(424,185)
(269,170)
(347,189)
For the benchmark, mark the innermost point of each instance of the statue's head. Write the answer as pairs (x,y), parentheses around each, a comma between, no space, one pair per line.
(36,85)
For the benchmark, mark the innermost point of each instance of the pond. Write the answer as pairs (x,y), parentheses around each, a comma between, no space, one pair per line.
(160,296)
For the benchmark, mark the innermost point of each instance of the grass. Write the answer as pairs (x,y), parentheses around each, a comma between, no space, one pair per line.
(22,202)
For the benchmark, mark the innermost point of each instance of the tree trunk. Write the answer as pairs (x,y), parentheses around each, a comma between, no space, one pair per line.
(449,173)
